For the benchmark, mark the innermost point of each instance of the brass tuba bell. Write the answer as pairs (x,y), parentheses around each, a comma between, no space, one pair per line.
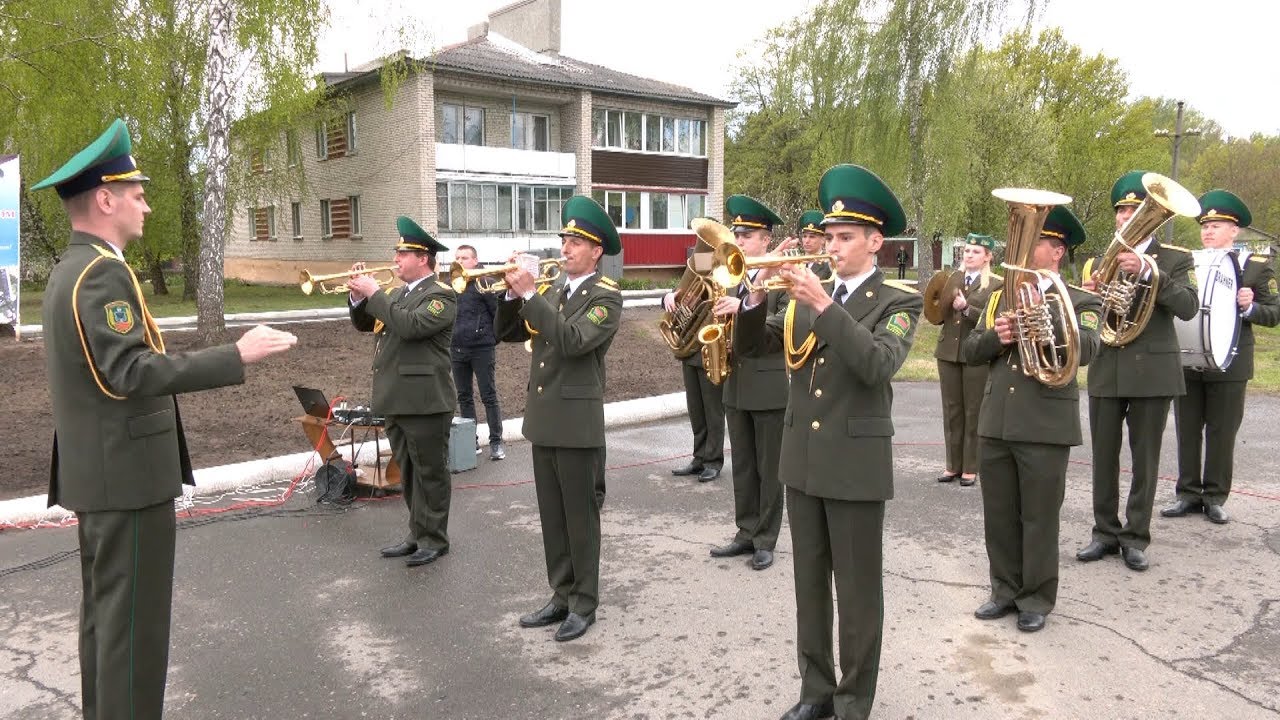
(1128,300)
(1044,326)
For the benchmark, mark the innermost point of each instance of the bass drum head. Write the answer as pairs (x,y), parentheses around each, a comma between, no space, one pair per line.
(1208,341)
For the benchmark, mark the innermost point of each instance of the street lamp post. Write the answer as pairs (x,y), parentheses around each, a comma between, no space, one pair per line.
(1177,135)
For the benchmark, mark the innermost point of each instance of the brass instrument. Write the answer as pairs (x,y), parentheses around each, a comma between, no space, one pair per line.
(730,267)
(1129,299)
(308,282)
(459,277)
(933,302)
(1044,325)
(695,296)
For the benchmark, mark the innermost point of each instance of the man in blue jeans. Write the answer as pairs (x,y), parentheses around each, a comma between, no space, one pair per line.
(472,351)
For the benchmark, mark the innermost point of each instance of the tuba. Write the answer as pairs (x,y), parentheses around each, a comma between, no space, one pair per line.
(1128,300)
(1044,326)
(695,298)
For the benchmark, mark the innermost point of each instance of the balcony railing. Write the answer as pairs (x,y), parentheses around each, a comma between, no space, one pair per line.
(478,162)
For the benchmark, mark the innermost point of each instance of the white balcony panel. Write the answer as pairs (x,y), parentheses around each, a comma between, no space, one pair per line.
(476,162)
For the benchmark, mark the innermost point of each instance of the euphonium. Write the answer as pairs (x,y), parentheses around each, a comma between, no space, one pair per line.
(1127,299)
(308,282)
(1044,325)
(695,296)
(716,338)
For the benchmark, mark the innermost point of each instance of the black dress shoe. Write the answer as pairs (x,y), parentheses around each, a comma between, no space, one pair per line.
(574,626)
(1216,514)
(762,559)
(426,556)
(733,549)
(1030,621)
(550,614)
(1096,550)
(992,610)
(803,711)
(968,482)
(1134,558)
(947,477)
(708,474)
(692,468)
(404,548)
(1180,508)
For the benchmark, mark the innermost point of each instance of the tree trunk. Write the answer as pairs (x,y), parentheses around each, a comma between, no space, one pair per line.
(915,143)
(155,276)
(210,325)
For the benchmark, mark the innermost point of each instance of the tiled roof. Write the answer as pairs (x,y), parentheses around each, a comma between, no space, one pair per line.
(495,56)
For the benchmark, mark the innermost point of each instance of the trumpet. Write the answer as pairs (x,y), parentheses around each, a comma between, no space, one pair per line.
(308,282)
(729,268)
(459,277)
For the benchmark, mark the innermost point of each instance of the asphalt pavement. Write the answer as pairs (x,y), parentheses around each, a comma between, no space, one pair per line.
(290,613)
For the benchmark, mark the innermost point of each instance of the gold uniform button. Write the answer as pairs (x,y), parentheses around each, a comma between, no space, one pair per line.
(815,425)
(1015,366)
(540,389)
(822,361)
(542,364)
(817,393)
(1010,390)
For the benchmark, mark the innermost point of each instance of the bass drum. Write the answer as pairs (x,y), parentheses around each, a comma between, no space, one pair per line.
(1208,340)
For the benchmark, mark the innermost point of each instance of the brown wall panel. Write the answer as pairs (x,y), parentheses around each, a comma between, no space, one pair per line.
(637,169)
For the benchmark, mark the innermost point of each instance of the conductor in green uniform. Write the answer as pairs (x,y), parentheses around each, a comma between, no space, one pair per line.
(813,241)
(1135,384)
(1027,430)
(119,452)
(843,348)
(413,383)
(570,326)
(755,397)
(963,299)
(1210,414)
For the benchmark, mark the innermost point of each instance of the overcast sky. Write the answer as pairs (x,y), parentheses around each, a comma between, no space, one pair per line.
(1220,57)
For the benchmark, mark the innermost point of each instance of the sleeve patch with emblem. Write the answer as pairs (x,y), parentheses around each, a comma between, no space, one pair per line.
(435,307)
(899,324)
(1089,320)
(597,314)
(120,316)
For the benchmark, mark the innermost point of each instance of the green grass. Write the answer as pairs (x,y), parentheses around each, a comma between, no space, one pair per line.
(240,298)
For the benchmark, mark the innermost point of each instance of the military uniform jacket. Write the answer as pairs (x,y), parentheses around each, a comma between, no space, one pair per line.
(1151,365)
(957,324)
(411,370)
(758,381)
(838,430)
(1017,408)
(565,406)
(1259,275)
(118,441)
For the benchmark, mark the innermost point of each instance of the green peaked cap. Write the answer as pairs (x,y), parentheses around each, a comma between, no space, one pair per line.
(854,194)
(980,240)
(810,221)
(747,213)
(413,237)
(583,217)
(1128,190)
(106,159)
(1063,225)
(1224,205)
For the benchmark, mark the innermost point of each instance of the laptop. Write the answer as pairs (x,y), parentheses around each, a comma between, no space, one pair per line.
(314,403)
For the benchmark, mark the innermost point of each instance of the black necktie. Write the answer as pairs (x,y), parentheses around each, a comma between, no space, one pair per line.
(841,293)
(968,281)
(564,295)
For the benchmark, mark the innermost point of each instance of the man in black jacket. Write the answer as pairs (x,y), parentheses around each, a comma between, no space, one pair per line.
(472,351)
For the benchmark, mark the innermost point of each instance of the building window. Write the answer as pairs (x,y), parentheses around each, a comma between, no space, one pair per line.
(326,224)
(463,125)
(659,211)
(293,148)
(336,139)
(351,132)
(469,206)
(624,130)
(260,160)
(296,215)
(650,210)
(529,131)
(253,223)
(264,223)
(322,145)
(335,218)
(353,208)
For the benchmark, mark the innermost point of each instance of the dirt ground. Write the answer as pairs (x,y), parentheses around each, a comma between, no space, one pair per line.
(255,420)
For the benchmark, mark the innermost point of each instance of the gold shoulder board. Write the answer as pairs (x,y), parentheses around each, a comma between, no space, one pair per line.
(901,286)
(608,282)
(992,302)
(1259,258)
(444,285)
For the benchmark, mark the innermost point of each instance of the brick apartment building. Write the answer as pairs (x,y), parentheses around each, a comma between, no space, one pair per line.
(482,146)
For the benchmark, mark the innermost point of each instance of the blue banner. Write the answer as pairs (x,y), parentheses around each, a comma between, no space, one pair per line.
(9,255)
